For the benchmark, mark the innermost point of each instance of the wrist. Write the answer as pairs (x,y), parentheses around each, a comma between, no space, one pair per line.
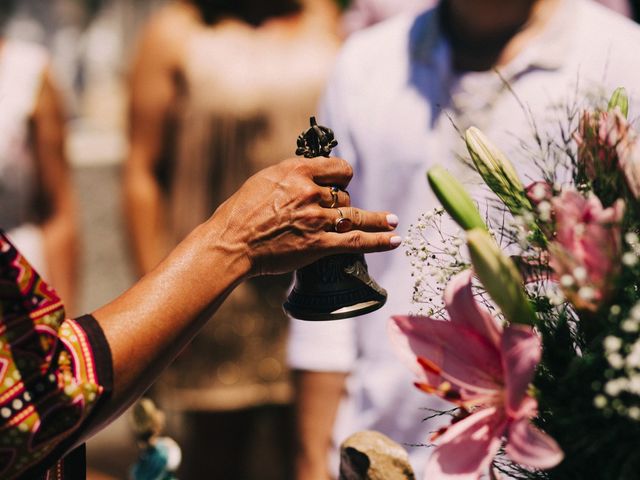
(223,250)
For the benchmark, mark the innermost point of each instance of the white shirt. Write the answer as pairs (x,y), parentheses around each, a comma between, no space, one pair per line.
(386,103)
(364,13)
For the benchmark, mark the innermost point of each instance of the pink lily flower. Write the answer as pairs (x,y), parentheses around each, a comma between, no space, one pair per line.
(586,249)
(598,137)
(629,161)
(484,369)
(607,144)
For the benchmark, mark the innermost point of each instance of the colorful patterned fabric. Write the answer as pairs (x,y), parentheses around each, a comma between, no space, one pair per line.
(53,371)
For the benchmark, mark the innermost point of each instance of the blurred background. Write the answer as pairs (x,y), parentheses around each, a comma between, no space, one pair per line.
(92,46)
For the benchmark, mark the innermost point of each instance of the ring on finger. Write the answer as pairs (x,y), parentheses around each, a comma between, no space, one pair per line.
(342,224)
(334,196)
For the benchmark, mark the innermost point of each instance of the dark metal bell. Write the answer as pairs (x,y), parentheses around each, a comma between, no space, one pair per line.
(338,286)
(334,287)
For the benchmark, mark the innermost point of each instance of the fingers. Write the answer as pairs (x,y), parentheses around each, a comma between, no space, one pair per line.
(330,171)
(332,197)
(350,218)
(362,242)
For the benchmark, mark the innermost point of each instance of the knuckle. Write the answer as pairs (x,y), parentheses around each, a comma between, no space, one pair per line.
(355,241)
(301,168)
(356,216)
(347,200)
(348,170)
(310,193)
(313,218)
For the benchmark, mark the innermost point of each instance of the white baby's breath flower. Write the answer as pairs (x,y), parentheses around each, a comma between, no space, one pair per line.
(567,281)
(612,344)
(600,401)
(544,210)
(629,325)
(629,259)
(587,293)
(539,191)
(555,296)
(634,413)
(633,360)
(615,309)
(613,388)
(631,238)
(634,384)
(616,361)
(635,312)
(580,274)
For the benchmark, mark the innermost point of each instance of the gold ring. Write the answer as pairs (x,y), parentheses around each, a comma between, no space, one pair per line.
(342,224)
(334,196)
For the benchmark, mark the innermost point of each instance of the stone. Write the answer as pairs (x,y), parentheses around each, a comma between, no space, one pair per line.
(371,455)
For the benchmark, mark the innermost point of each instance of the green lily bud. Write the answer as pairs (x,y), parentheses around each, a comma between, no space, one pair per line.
(500,277)
(455,199)
(619,99)
(496,171)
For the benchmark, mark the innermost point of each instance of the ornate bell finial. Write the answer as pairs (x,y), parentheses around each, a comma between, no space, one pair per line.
(338,286)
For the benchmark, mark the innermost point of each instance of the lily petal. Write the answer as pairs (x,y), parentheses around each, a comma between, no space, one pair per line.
(532,447)
(521,352)
(464,310)
(406,349)
(465,358)
(467,448)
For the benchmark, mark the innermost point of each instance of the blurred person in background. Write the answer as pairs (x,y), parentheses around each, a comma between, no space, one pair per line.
(399,97)
(220,88)
(37,203)
(364,13)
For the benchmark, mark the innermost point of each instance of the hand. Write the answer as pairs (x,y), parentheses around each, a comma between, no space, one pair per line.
(281,217)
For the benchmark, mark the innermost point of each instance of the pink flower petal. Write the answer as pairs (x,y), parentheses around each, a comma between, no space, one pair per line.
(521,352)
(464,310)
(467,448)
(466,359)
(405,348)
(529,446)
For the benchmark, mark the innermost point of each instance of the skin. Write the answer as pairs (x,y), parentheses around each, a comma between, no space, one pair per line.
(55,200)
(59,225)
(275,223)
(485,34)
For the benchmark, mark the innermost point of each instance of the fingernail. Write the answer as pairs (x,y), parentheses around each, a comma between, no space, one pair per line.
(392,220)
(395,241)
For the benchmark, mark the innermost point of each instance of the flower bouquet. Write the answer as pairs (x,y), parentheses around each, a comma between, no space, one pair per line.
(538,348)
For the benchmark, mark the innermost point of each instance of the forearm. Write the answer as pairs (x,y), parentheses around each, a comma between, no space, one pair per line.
(151,323)
(318,396)
(144,214)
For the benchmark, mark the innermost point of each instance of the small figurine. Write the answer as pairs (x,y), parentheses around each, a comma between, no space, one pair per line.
(160,456)
(316,141)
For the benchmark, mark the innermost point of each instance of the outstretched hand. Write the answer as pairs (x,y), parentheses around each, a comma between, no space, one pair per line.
(283,219)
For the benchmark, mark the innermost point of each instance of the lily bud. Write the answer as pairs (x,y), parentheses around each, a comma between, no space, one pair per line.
(500,277)
(496,170)
(455,199)
(620,100)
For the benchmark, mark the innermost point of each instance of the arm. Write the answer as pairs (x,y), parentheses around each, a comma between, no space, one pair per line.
(153,89)
(273,224)
(318,396)
(56,197)
(278,221)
